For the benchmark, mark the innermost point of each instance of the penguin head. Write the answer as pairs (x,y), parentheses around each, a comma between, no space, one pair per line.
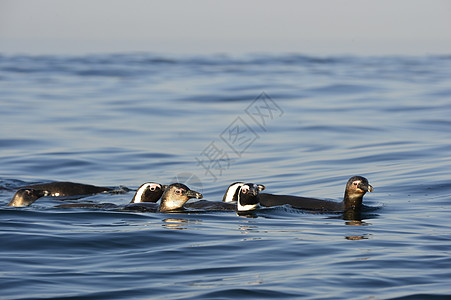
(356,187)
(249,197)
(25,197)
(148,192)
(175,196)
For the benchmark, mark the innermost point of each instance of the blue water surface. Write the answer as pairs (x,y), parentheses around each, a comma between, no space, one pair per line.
(298,124)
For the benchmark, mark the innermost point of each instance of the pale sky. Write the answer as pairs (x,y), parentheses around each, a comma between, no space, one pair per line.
(412,27)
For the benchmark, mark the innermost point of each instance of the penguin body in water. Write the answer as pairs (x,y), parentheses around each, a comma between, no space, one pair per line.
(356,188)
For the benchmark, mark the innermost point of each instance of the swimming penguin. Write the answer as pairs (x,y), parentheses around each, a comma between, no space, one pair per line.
(245,195)
(356,188)
(172,199)
(149,192)
(61,189)
(24,197)
(56,189)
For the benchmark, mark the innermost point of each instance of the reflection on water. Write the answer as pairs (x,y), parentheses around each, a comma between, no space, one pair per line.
(356,223)
(252,214)
(356,237)
(245,229)
(179,223)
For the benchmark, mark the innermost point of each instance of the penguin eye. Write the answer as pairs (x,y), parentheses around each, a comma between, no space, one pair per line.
(244,190)
(178,191)
(152,188)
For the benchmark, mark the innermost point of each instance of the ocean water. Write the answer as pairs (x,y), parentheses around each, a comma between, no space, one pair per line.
(298,124)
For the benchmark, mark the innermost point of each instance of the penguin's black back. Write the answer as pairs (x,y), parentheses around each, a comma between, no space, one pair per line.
(69,188)
(270,200)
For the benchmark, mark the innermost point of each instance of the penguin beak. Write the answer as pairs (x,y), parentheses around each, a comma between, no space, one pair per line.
(194,194)
(254,190)
(365,187)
